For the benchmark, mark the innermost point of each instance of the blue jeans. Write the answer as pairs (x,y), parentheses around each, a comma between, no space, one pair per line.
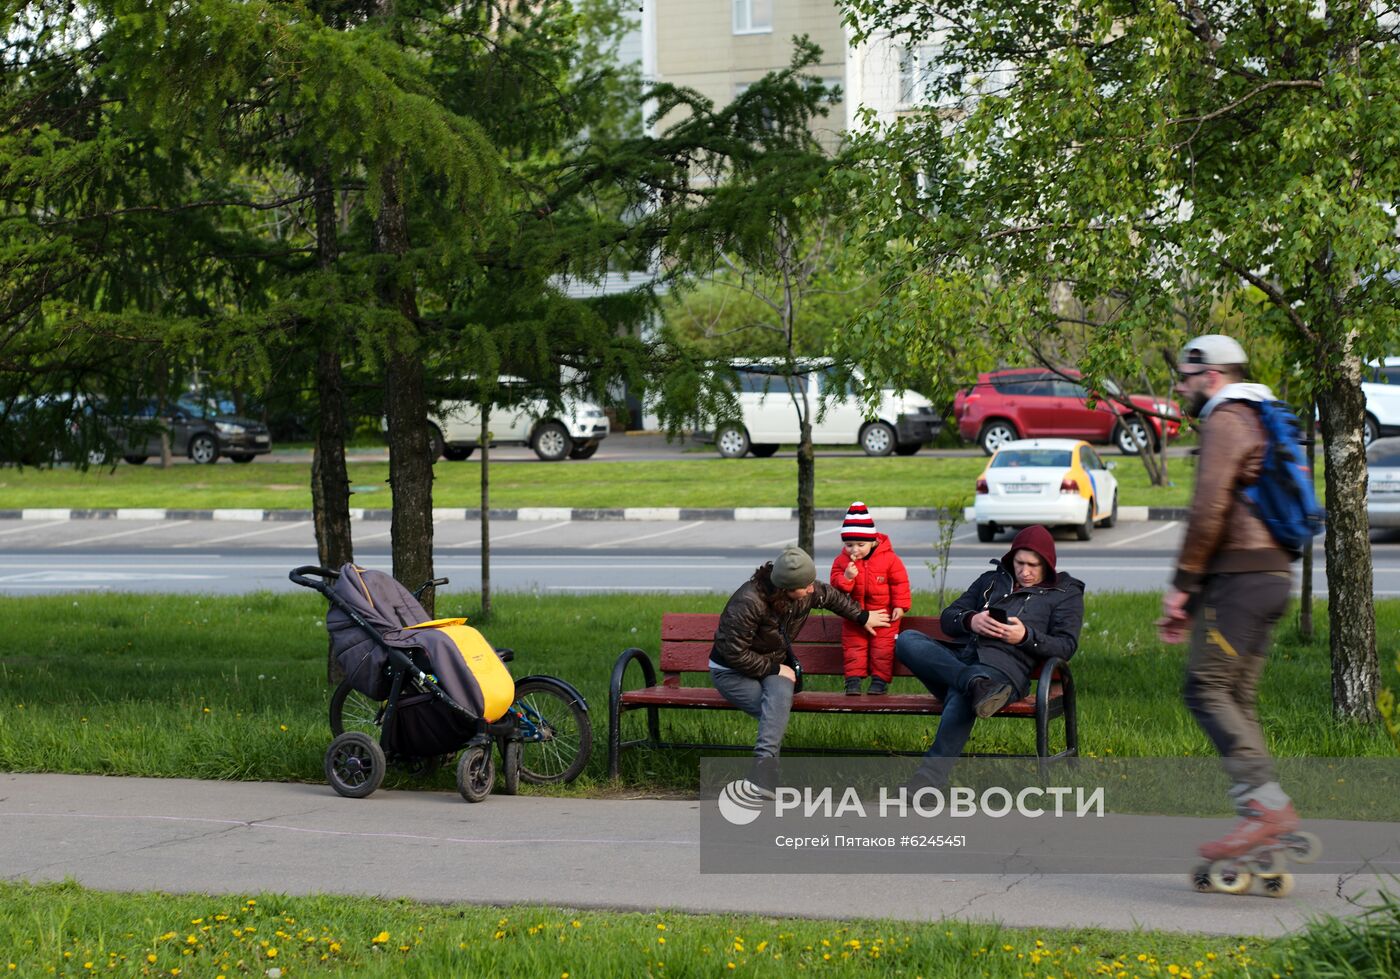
(948,674)
(769,700)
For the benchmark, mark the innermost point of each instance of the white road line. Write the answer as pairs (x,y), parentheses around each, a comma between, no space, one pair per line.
(251,533)
(966,534)
(659,533)
(1156,530)
(124,533)
(792,540)
(41,526)
(630,588)
(526,533)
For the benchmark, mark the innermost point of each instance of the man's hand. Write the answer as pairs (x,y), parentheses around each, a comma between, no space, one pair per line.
(877,620)
(984,625)
(786,672)
(1175,624)
(852,571)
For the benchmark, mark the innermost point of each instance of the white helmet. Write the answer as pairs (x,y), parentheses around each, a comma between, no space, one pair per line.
(1214,350)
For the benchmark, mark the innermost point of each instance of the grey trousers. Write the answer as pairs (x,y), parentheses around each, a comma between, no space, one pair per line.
(769,700)
(1230,637)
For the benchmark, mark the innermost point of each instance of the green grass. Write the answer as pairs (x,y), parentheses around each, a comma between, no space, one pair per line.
(914,481)
(234,687)
(67,930)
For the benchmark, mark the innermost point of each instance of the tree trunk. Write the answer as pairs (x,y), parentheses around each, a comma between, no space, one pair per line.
(405,404)
(1350,609)
(485,513)
(806,490)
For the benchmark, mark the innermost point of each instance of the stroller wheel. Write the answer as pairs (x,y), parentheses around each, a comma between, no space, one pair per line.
(355,764)
(510,766)
(476,770)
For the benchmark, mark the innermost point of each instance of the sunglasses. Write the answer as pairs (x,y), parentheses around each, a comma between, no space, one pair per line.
(1185,374)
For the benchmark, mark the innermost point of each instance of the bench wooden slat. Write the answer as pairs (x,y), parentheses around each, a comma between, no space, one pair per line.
(820,701)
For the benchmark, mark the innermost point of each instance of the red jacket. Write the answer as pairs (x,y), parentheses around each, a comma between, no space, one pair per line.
(882,584)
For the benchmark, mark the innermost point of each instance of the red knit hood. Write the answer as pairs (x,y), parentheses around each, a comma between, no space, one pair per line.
(1036,539)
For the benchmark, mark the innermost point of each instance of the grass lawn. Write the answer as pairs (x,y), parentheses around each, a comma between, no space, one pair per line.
(67,930)
(234,687)
(914,481)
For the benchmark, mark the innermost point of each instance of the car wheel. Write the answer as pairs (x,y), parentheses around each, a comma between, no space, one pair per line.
(732,441)
(204,450)
(457,453)
(1370,430)
(583,451)
(436,443)
(552,442)
(1085,530)
(1131,436)
(240,458)
(985,532)
(877,439)
(136,460)
(762,450)
(996,434)
(907,448)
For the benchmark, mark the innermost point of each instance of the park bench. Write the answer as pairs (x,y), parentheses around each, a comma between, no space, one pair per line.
(686,639)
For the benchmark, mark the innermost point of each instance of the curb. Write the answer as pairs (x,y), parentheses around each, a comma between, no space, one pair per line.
(1129,514)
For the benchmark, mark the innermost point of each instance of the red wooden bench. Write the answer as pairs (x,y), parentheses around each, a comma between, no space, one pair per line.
(686,639)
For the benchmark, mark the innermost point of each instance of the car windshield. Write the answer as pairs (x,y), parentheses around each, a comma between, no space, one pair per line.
(1027,458)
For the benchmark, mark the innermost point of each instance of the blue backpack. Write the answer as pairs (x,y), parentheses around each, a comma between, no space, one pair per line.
(1283,495)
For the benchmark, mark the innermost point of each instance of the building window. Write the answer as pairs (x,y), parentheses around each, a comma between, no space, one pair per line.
(921,76)
(753,16)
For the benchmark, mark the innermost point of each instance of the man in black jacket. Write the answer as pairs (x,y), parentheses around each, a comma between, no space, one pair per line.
(1012,619)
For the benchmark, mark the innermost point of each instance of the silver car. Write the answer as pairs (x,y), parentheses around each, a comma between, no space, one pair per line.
(1383,482)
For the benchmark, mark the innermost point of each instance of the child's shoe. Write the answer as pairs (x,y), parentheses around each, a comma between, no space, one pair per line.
(852,686)
(878,687)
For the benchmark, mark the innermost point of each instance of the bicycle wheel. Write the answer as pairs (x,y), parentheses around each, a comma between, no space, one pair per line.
(353,711)
(555,733)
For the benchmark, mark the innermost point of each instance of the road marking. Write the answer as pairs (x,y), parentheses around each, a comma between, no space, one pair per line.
(42,526)
(250,533)
(536,530)
(629,588)
(1156,530)
(792,541)
(123,533)
(659,533)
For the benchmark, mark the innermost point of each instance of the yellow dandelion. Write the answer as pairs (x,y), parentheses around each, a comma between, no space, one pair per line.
(272,953)
(660,926)
(380,938)
(661,941)
(576,923)
(150,958)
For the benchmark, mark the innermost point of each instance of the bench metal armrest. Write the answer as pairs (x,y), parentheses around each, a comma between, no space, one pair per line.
(615,704)
(1044,685)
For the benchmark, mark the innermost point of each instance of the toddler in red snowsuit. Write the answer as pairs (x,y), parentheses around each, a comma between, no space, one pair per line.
(871,572)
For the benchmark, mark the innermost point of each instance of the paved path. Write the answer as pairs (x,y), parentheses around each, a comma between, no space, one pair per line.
(130,834)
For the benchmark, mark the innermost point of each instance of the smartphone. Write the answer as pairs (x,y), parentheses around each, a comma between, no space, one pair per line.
(999,614)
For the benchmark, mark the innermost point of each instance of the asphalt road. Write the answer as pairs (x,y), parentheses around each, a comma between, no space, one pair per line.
(131,834)
(44,557)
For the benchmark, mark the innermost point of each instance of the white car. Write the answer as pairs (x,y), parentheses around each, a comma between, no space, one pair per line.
(901,424)
(1383,483)
(1382,392)
(571,433)
(1055,482)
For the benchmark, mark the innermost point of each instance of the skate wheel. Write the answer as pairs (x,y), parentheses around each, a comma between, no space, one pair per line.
(1227,877)
(1200,879)
(1306,847)
(1276,885)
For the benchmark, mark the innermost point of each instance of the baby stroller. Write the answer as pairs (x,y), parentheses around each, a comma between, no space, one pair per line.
(418,690)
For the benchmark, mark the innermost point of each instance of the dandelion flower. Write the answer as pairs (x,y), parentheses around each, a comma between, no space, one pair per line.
(380,938)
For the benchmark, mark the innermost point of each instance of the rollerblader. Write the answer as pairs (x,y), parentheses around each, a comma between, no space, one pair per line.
(1230,588)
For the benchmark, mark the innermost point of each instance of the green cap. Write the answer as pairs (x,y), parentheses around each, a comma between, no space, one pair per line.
(794,569)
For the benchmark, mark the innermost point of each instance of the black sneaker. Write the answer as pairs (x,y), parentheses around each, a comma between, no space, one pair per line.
(852,686)
(878,687)
(988,696)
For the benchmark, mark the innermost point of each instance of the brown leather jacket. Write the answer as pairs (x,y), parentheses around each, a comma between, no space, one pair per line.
(749,639)
(1224,535)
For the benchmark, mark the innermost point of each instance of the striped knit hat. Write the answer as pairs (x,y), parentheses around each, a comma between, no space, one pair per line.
(859,524)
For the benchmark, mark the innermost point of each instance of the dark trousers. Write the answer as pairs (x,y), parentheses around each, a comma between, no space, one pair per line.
(948,674)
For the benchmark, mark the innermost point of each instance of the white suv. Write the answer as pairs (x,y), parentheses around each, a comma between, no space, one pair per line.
(1382,393)
(901,424)
(573,432)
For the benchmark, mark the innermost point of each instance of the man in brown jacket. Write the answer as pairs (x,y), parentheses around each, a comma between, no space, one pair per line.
(1230,588)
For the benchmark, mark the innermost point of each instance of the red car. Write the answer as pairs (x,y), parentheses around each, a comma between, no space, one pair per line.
(1035,403)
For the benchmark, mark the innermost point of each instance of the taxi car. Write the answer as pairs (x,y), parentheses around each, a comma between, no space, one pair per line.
(1055,482)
